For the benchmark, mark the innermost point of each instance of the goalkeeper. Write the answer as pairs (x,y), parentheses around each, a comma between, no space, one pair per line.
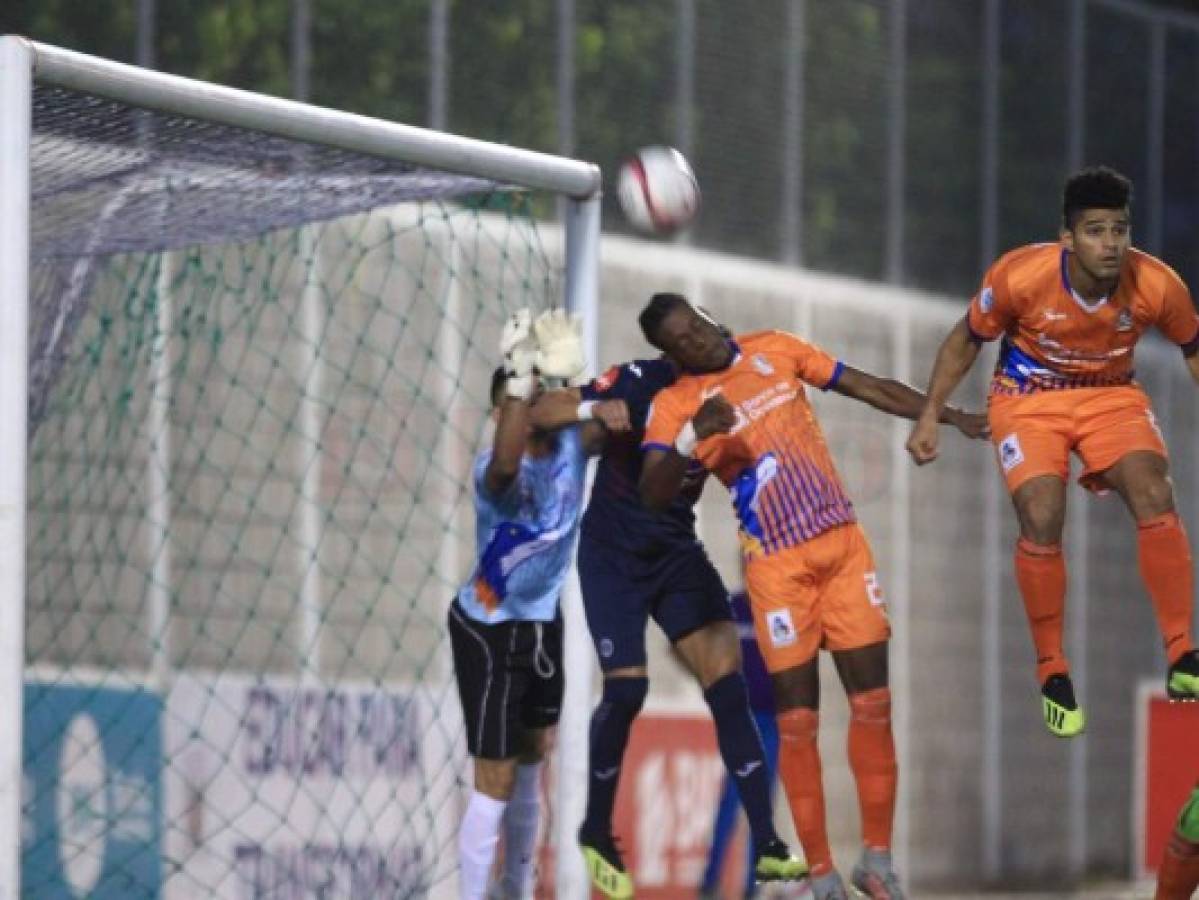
(505,625)
(634,564)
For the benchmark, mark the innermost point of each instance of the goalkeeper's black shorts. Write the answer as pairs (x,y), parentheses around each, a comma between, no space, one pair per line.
(509,680)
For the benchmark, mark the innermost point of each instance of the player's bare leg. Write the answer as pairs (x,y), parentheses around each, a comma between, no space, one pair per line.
(1041,574)
(863,672)
(713,654)
(1142,479)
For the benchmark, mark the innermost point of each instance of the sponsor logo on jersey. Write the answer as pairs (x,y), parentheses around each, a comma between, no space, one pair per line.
(781,628)
(763,365)
(635,369)
(1124,320)
(1010,454)
(986,299)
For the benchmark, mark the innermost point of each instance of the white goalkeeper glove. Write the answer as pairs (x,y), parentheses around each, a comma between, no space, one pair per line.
(560,345)
(519,348)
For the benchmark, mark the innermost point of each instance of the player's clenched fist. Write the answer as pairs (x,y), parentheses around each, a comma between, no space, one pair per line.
(614,414)
(716,416)
(922,443)
(519,349)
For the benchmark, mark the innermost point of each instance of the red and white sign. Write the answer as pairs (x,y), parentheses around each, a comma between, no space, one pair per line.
(1166,771)
(669,789)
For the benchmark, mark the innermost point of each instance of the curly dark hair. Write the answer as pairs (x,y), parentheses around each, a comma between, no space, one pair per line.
(659,307)
(1098,187)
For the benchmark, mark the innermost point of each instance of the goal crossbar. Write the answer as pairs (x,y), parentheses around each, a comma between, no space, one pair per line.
(24,64)
(159,91)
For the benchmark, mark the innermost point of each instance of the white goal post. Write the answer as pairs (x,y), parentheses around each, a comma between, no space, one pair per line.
(24,64)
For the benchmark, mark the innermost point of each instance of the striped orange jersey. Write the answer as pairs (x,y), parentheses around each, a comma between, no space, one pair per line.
(775,461)
(1054,339)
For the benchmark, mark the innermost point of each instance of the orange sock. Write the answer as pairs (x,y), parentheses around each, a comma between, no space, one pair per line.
(799,769)
(872,759)
(1164,554)
(1178,876)
(1041,574)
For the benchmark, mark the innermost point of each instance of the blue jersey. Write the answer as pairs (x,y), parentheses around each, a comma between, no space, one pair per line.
(615,514)
(526,536)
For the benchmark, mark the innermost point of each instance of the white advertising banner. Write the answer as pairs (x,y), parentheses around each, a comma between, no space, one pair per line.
(284,790)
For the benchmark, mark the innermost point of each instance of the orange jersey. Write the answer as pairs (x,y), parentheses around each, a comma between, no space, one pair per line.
(775,461)
(1055,339)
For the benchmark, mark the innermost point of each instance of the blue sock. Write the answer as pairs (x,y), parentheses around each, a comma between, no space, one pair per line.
(744,757)
(610,723)
(722,834)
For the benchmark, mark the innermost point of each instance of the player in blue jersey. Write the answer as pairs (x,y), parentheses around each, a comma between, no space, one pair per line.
(633,565)
(505,626)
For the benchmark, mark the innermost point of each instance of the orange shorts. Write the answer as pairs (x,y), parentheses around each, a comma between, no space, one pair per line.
(821,593)
(1035,433)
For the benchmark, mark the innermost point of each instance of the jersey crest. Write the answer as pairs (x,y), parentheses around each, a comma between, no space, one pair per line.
(605,381)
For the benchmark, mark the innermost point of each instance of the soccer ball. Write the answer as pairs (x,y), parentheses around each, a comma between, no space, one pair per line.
(657,190)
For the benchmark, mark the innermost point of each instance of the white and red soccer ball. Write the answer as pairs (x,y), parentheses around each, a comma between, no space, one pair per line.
(657,190)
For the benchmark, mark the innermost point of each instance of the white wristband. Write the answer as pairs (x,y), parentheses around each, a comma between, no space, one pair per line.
(684,444)
(519,387)
(585,410)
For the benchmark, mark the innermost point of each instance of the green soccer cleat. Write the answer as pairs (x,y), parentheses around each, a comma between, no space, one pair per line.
(775,863)
(1182,681)
(1188,819)
(1063,716)
(605,866)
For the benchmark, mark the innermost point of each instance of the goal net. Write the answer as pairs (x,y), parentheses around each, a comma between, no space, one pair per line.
(258,374)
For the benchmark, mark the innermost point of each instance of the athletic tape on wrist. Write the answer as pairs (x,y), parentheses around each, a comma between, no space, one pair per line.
(585,411)
(684,444)
(519,387)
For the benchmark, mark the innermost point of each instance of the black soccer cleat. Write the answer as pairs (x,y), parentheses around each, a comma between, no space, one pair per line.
(1182,681)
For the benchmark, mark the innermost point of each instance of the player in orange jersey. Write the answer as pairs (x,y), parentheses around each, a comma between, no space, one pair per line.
(740,409)
(1178,875)
(1070,314)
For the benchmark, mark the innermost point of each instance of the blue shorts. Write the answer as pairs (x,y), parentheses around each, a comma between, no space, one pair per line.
(681,590)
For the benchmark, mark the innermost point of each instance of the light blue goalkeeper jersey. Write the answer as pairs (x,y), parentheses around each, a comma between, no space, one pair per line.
(526,537)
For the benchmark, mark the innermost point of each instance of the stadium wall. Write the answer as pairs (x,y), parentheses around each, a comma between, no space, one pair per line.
(985,789)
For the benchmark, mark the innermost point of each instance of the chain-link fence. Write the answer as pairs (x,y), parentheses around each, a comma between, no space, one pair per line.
(901,141)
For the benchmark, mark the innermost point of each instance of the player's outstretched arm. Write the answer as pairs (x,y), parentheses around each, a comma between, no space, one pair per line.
(662,470)
(899,399)
(565,407)
(519,349)
(557,409)
(955,356)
